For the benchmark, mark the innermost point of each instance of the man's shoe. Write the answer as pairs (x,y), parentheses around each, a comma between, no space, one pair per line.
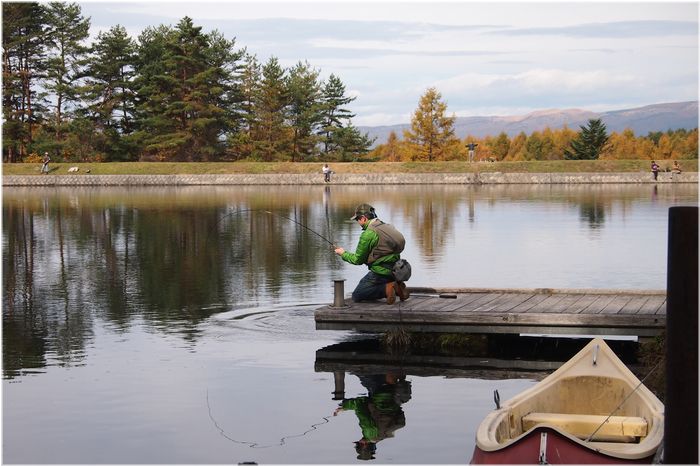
(401,290)
(390,293)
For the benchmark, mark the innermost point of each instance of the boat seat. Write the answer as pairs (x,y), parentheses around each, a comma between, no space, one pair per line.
(613,429)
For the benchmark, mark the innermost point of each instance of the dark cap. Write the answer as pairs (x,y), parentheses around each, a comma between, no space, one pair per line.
(363,209)
(365,449)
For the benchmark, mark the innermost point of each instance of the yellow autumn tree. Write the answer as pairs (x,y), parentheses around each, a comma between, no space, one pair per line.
(498,146)
(621,146)
(517,147)
(432,131)
(391,151)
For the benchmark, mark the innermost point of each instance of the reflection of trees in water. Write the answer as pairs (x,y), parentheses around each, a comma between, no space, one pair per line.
(41,319)
(432,216)
(593,214)
(165,255)
(164,265)
(593,206)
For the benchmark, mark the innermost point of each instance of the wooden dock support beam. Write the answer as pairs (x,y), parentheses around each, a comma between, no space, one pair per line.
(681,416)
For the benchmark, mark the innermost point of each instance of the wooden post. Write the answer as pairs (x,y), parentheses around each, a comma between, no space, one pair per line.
(338,293)
(339,387)
(681,407)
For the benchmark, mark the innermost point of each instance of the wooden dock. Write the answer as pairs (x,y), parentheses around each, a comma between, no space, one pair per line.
(515,311)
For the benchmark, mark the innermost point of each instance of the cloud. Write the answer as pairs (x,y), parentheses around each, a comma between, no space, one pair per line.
(536,81)
(617,29)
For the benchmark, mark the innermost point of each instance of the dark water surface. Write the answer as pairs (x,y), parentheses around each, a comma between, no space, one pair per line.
(175,325)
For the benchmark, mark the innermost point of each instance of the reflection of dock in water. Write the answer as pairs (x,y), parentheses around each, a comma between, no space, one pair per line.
(506,311)
(492,357)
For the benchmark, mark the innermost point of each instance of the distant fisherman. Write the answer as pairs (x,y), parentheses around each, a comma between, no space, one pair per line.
(379,247)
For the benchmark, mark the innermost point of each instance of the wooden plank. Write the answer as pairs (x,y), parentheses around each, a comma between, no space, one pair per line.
(503,303)
(598,304)
(616,305)
(528,303)
(485,299)
(652,305)
(661,311)
(495,329)
(581,304)
(461,301)
(517,300)
(634,304)
(421,303)
(450,305)
(594,320)
(546,304)
(565,303)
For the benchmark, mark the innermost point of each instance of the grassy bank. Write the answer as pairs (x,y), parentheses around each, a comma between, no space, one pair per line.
(203,168)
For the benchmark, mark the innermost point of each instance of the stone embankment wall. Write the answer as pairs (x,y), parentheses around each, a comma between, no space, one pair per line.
(346,179)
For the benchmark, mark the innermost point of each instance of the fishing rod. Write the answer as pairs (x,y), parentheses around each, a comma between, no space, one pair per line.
(280,216)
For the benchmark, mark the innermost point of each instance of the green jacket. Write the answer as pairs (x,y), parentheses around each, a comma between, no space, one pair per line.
(379,415)
(368,241)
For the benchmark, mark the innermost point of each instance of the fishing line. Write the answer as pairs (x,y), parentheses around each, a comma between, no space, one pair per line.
(327,193)
(641,382)
(280,216)
(303,226)
(282,441)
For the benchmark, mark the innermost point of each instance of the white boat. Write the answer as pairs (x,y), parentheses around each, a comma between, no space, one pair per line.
(592,409)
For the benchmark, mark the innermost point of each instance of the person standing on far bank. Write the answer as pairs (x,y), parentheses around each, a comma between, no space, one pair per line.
(45,163)
(655,169)
(379,247)
(327,173)
(471,146)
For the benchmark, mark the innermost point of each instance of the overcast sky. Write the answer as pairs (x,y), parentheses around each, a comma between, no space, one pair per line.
(494,58)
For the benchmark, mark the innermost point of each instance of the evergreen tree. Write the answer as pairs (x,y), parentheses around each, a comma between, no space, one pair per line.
(110,91)
(241,140)
(224,83)
(589,143)
(187,90)
(431,131)
(303,90)
(351,143)
(23,53)
(334,115)
(151,94)
(272,135)
(67,29)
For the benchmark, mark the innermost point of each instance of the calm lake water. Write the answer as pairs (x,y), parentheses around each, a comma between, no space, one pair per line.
(175,325)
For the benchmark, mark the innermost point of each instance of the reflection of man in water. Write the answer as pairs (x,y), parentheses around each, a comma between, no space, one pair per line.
(379,412)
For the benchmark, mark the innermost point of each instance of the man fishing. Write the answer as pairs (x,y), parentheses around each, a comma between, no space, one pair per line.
(379,247)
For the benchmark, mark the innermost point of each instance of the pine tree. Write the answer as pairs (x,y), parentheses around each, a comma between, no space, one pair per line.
(589,143)
(351,143)
(186,92)
(67,29)
(431,131)
(334,115)
(23,47)
(151,93)
(304,113)
(272,135)
(110,91)
(240,141)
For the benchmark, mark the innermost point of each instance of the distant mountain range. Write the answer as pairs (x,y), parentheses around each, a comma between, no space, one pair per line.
(642,120)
